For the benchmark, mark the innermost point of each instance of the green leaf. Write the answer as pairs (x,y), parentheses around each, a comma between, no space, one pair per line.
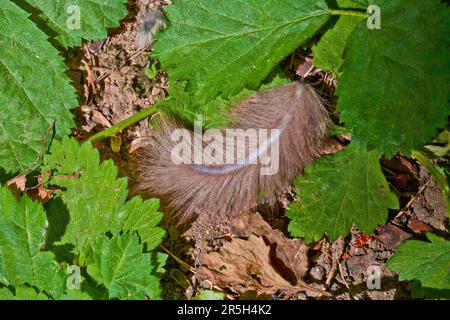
(74,20)
(209,295)
(440,151)
(143,217)
(329,52)
(22,293)
(339,190)
(427,262)
(22,231)
(153,291)
(34,91)
(120,264)
(394,88)
(88,290)
(220,47)
(95,197)
(76,294)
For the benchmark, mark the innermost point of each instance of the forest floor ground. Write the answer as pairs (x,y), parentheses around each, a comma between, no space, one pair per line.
(258,257)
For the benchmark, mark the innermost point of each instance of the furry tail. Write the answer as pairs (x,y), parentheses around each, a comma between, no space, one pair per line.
(216,186)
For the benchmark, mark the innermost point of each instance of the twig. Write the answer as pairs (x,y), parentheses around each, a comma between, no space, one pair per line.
(338,250)
(181,262)
(412,200)
(342,276)
(122,125)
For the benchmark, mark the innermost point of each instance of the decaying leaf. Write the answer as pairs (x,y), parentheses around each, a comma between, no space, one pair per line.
(289,255)
(42,194)
(17,184)
(265,262)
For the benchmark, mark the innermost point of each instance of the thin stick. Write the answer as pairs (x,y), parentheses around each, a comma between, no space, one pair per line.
(412,200)
(184,264)
(122,125)
(342,276)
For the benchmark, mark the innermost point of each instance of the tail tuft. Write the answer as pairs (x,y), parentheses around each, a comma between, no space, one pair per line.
(212,187)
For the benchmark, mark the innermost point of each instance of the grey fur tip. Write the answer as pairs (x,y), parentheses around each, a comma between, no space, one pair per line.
(152,22)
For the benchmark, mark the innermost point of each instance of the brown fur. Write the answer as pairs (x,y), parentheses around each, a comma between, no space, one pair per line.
(185,192)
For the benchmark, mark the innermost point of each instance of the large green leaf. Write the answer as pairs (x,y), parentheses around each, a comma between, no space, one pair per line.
(427,262)
(329,52)
(394,88)
(339,190)
(22,230)
(120,264)
(34,91)
(222,46)
(95,197)
(94,17)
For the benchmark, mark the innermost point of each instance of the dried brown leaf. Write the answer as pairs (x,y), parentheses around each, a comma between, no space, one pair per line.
(17,184)
(289,255)
(263,263)
(243,265)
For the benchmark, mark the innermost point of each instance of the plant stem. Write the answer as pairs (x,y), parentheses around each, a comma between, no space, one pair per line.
(440,178)
(122,125)
(354,13)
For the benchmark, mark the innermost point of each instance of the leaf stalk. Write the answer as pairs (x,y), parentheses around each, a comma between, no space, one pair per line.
(141,115)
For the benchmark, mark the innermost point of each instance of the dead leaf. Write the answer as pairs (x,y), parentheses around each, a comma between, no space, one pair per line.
(359,264)
(418,226)
(289,255)
(42,194)
(17,185)
(331,146)
(243,265)
(264,263)
(391,235)
(99,118)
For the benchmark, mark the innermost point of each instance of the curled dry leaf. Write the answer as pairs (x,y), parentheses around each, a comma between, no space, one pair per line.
(265,262)
(17,184)
(390,235)
(289,255)
(42,194)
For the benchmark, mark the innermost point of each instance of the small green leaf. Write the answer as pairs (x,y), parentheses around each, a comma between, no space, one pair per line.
(120,264)
(143,217)
(22,231)
(220,47)
(209,295)
(339,190)
(34,90)
(95,197)
(80,19)
(394,92)
(440,151)
(427,262)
